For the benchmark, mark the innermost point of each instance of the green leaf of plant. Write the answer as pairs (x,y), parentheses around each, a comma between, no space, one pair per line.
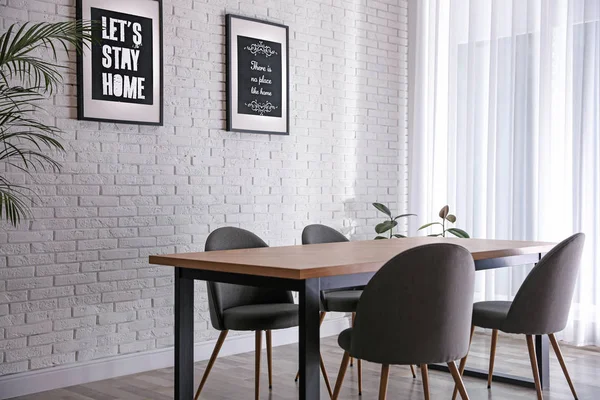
(444,211)
(12,206)
(451,218)
(397,235)
(383,209)
(385,226)
(458,232)
(404,215)
(429,224)
(17,57)
(435,235)
(380,237)
(26,77)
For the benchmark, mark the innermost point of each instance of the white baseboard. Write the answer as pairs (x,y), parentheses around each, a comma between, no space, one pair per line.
(76,374)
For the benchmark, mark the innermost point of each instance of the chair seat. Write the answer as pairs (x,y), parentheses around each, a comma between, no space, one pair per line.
(345,339)
(261,317)
(341,300)
(490,314)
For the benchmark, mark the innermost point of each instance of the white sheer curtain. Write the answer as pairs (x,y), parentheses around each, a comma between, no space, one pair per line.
(504,123)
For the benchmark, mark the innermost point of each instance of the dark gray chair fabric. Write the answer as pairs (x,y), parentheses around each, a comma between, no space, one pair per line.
(261,317)
(542,303)
(316,233)
(490,314)
(416,309)
(332,300)
(238,307)
(341,300)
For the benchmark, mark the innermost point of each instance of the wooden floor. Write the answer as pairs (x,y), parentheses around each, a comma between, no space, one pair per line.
(233,377)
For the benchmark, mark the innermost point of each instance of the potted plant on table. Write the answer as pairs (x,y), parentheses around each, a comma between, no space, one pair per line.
(446,218)
(389,224)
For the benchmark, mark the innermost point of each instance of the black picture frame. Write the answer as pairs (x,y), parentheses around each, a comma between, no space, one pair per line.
(256,123)
(105,110)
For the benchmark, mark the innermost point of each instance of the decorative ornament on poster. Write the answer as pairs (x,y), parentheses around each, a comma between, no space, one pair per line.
(120,76)
(257,76)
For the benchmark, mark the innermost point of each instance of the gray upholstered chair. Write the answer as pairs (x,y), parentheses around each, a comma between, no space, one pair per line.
(345,300)
(415,310)
(245,308)
(541,306)
(333,300)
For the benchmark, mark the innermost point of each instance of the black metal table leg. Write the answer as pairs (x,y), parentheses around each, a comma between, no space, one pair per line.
(308,347)
(542,353)
(184,336)
(497,377)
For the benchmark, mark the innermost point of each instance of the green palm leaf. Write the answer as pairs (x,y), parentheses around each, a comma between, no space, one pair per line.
(19,56)
(12,206)
(26,143)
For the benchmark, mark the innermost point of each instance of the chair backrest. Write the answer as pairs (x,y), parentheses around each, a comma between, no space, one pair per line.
(314,234)
(543,301)
(417,308)
(317,234)
(222,296)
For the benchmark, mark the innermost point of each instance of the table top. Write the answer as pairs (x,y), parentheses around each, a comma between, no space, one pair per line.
(331,259)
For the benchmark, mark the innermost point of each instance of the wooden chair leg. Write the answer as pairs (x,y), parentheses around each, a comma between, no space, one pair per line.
(325,377)
(341,374)
(383,383)
(258,348)
(352,358)
(561,360)
(492,356)
(358,362)
(359,377)
(458,380)
(463,362)
(321,318)
(412,369)
(270,358)
(211,362)
(534,367)
(425,378)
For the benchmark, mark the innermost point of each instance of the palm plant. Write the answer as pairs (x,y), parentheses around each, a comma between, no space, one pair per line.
(30,73)
(446,217)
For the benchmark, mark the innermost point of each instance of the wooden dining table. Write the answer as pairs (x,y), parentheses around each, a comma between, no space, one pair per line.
(309,269)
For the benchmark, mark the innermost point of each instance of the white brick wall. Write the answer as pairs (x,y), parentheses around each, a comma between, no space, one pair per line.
(75,284)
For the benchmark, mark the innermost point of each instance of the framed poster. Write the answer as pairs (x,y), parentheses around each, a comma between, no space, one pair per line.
(257,76)
(120,78)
